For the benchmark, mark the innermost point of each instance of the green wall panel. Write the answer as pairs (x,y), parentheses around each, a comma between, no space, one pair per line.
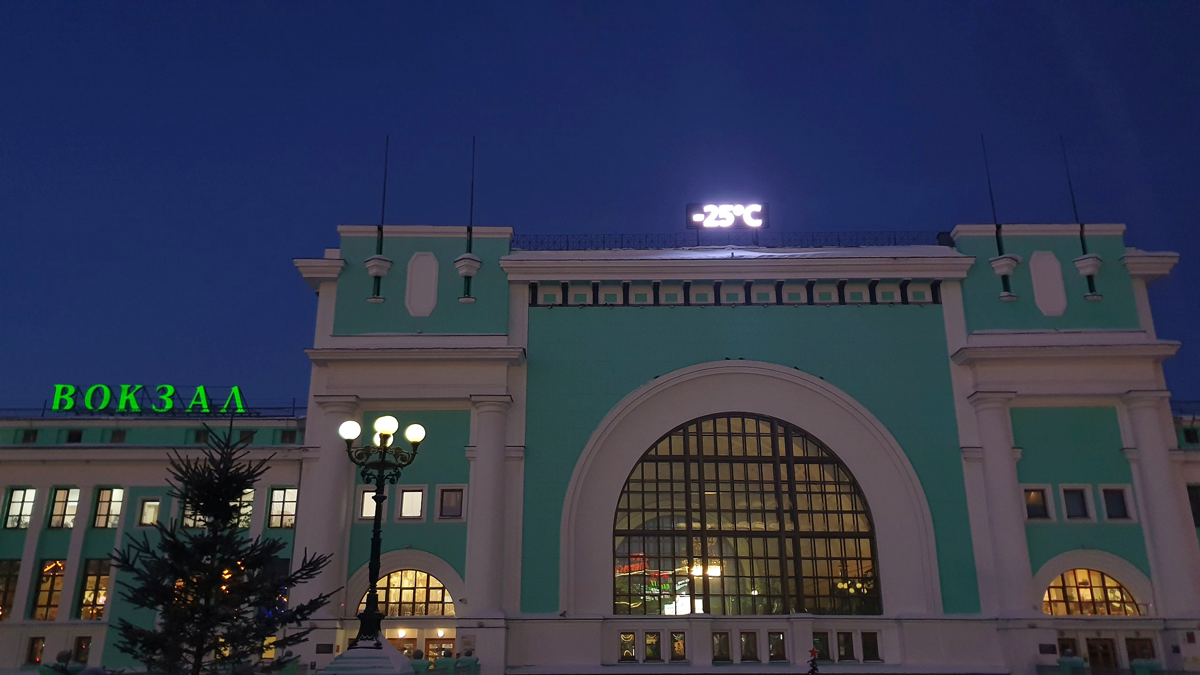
(1075,446)
(488,314)
(870,352)
(981,289)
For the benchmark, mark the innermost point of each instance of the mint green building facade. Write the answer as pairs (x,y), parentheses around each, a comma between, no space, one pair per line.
(941,457)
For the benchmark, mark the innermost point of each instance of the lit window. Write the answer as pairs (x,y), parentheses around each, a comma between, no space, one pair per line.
(20,507)
(63,507)
(776,646)
(412,503)
(1088,592)
(33,655)
(1115,505)
(1075,504)
(450,503)
(412,593)
(49,590)
(245,508)
(628,647)
(845,646)
(117,436)
(148,514)
(366,504)
(108,508)
(1035,504)
(83,647)
(749,640)
(653,646)
(9,569)
(678,646)
(191,520)
(95,589)
(283,508)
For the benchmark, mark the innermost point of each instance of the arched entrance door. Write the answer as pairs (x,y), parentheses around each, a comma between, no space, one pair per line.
(739,514)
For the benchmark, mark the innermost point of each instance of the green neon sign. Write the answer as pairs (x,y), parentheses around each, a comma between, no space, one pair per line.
(100,397)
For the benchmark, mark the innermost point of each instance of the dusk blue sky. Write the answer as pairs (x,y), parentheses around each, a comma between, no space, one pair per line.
(161,164)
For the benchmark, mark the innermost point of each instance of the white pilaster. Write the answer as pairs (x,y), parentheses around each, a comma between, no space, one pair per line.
(485,508)
(66,605)
(1005,508)
(1169,531)
(30,566)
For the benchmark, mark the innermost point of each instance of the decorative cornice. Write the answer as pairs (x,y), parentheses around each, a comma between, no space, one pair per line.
(510,452)
(513,355)
(1158,350)
(1149,265)
(1145,398)
(425,231)
(972,454)
(1045,230)
(334,403)
(982,400)
(316,270)
(1131,454)
(136,453)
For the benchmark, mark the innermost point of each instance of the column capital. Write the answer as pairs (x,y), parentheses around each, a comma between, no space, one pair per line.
(491,403)
(984,400)
(972,453)
(333,403)
(1145,398)
(1131,454)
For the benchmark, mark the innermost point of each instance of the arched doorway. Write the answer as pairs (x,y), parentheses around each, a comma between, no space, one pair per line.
(740,514)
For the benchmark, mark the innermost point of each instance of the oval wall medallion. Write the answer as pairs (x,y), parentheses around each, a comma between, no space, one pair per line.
(1048,290)
(420,295)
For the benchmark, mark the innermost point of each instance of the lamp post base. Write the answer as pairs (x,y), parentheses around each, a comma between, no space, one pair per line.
(369,660)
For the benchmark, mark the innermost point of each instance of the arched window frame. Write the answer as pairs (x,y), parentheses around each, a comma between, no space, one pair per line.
(1073,593)
(393,586)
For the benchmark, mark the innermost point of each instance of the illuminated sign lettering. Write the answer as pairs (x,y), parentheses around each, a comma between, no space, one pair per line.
(136,398)
(753,216)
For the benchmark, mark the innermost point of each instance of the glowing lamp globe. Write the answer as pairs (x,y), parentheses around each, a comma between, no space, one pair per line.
(378,440)
(387,425)
(415,433)
(349,430)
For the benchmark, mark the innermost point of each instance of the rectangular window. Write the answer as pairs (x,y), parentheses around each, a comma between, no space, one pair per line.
(1194,500)
(20,507)
(191,520)
(1075,504)
(83,647)
(29,436)
(283,508)
(287,436)
(628,647)
(678,646)
(49,590)
(148,513)
(1035,504)
(721,647)
(870,646)
(246,436)
(450,503)
(200,436)
(1139,648)
(75,436)
(63,508)
(653,646)
(749,647)
(1191,435)
(245,508)
(1115,505)
(366,504)
(821,644)
(776,648)
(117,436)
(108,508)
(9,569)
(412,503)
(845,646)
(95,589)
(33,655)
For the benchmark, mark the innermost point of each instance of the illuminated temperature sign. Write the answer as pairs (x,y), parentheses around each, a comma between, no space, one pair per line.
(753,216)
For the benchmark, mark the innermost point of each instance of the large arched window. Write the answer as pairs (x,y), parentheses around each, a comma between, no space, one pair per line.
(411,593)
(1088,592)
(743,514)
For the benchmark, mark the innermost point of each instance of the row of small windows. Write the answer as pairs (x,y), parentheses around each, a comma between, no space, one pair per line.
(668,293)
(118,436)
(37,647)
(1077,504)
(410,504)
(64,508)
(90,601)
(746,646)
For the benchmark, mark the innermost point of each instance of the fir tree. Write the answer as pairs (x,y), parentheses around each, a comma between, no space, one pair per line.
(219,594)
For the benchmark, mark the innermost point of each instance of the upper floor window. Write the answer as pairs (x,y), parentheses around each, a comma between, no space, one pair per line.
(283,508)
(1076,503)
(1194,500)
(412,503)
(287,436)
(1036,505)
(117,436)
(1191,435)
(246,436)
(75,435)
(49,590)
(1116,503)
(148,514)
(200,436)
(29,436)
(451,503)
(108,508)
(245,508)
(63,507)
(20,508)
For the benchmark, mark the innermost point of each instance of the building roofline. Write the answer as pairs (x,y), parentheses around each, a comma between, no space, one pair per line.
(1044,229)
(455,231)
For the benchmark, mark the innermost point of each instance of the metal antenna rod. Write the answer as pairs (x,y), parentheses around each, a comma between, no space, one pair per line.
(991,196)
(1070,186)
(471,213)
(387,141)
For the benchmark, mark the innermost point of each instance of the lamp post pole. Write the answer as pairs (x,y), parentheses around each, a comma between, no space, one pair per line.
(381,464)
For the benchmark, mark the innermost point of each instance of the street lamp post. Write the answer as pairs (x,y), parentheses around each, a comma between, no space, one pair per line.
(380,464)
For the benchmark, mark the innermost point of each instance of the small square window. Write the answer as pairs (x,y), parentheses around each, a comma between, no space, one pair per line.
(148,512)
(825,296)
(870,647)
(731,297)
(117,436)
(246,436)
(29,436)
(1115,505)
(1036,507)
(1075,504)
(200,436)
(450,503)
(287,437)
(762,297)
(1189,435)
(366,504)
(75,435)
(412,503)
(33,655)
(579,298)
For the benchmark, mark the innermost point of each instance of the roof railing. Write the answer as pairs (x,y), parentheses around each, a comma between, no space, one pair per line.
(747,238)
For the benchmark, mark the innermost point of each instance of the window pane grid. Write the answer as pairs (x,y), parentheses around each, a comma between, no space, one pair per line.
(63,507)
(95,589)
(49,590)
(742,514)
(20,508)
(108,508)
(9,569)
(1088,592)
(412,593)
(283,508)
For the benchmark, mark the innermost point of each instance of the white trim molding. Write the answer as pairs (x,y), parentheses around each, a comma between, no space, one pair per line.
(407,559)
(317,270)
(1114,566)
(402,231)
(1045,230)
(1150,266)
(903,525)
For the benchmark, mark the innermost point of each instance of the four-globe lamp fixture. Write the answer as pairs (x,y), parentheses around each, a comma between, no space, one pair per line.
(379,464)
